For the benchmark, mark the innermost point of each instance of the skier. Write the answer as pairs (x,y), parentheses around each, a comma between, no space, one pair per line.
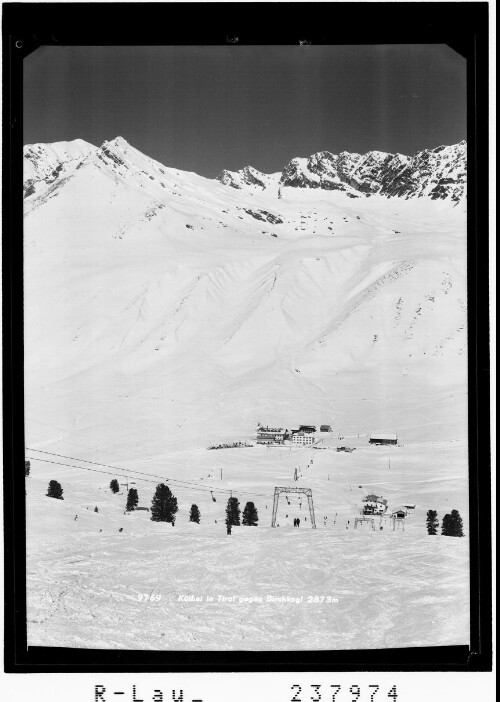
(76,517)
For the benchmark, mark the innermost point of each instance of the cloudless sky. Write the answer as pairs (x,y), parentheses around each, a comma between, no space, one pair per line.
(203,109)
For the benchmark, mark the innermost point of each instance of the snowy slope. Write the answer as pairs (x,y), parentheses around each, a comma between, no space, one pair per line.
(168,275)
(165,312)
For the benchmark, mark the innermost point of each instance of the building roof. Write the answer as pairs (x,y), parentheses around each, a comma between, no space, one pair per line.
(386,437)
(374,498)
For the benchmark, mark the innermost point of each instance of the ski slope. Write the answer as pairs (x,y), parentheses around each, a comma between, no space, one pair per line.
(164,313)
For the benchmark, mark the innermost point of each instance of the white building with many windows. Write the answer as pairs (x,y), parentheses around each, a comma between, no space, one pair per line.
(300,438)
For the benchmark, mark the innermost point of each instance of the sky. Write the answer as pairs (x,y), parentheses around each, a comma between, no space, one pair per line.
(204,109)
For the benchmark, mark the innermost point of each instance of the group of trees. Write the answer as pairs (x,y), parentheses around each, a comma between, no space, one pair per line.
(452,524)
(233,512)
(164,506)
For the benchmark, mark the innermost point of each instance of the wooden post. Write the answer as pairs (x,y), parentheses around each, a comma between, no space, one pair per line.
(275,507)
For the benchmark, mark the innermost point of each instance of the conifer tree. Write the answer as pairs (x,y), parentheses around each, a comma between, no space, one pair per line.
(250,516)
(27,468)
(164,505)
(432,522)
(233,512)
(96,510)
(458,523)
(55,490)
(132,500)
(194,515)
(452,524)
(114,485)
(447,526)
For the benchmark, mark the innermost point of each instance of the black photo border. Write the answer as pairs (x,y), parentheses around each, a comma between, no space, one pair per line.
(461,25)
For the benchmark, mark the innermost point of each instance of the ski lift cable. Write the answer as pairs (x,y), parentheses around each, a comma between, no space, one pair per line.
(191,486)
(107,472)
(128,471)
(124,470)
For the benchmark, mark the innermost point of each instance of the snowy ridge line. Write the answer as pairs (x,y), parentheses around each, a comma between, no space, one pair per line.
(132,473)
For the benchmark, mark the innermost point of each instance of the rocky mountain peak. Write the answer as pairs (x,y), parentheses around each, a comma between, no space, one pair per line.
(439,173)
(45,163)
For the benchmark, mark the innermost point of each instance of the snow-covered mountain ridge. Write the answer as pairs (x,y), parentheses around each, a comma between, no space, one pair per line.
(438,173)
(228,304)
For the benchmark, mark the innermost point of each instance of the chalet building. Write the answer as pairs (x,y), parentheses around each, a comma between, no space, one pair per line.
(307,428)
(373,504)
(382,439)
(325,427)
(271,435)
(300,438)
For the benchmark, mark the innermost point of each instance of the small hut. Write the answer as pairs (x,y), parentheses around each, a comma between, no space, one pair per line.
(384,439)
